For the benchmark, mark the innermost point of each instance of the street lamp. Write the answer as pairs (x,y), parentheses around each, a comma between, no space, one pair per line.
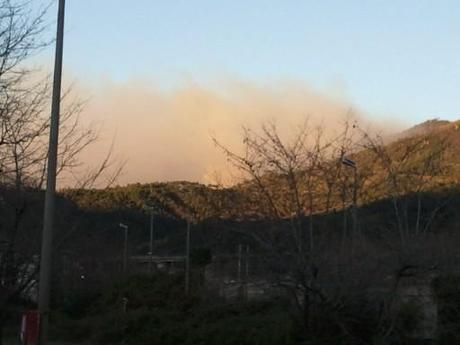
(187,259)
(50,195)
(125,251)
(352,164)
(151,209)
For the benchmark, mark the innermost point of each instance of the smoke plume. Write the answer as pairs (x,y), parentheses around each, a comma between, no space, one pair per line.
(167,135)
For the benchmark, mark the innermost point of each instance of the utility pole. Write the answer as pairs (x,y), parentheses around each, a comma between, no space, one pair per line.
(187,260)
(246,273)
(352,164)
(125,249)
(50,196)
(240,259)
(355,202)
(151,240)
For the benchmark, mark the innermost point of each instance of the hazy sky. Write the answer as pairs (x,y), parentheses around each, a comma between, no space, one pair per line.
(396,57)
(390,59)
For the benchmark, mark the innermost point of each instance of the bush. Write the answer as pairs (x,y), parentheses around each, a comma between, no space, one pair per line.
(158,312)
(447,290)
(78,304)
(224,325)
(200,257)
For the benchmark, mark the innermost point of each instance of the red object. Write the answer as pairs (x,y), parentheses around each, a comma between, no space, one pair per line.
(30,328)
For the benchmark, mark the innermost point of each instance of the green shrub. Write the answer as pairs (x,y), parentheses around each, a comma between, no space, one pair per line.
(447,290)
(200,257)
(158,312)
(408,317)
(227,325)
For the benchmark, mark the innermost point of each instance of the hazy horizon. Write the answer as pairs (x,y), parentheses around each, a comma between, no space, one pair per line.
(167,135)
(195,69)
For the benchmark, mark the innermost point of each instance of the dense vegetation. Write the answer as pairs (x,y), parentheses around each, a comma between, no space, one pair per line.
(407,196)
(158,311)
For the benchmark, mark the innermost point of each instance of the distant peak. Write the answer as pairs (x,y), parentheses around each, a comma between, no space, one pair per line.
(426,127)
(432,123)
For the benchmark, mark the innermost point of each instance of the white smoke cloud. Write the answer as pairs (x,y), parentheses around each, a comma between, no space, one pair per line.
(167,135)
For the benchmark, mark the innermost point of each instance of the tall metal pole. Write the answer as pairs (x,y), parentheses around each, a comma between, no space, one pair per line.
(151,240)
(125,252)
(125,248)
(355,205)
(246,273)
(187,260)
(240,256)
(50,196)
(352,164)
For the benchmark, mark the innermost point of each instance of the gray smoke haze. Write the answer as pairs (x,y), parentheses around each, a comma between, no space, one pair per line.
(168,135)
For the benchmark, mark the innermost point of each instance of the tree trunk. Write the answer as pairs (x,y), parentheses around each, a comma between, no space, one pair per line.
(2,325)
(419,210)
(306,311)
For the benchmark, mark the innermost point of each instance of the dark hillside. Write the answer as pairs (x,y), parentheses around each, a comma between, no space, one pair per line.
(413,157)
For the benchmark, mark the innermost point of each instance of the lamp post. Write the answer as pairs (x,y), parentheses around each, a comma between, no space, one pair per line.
(125,250)
(151,209)
(187,259)
(352,164)
(50,196)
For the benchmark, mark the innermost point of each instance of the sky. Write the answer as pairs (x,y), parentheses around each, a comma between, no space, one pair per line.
(393,60)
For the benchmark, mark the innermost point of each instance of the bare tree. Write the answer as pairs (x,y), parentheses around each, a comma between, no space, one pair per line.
(291,183)
(24,132)
(290,179)
(409,168)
